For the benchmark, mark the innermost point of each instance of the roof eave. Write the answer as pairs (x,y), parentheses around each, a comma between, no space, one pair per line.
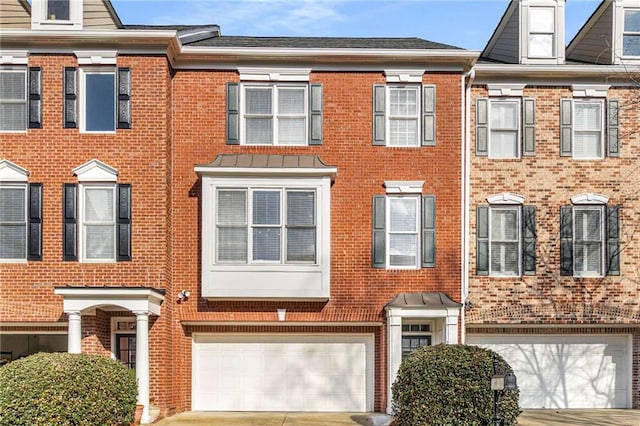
(550,71)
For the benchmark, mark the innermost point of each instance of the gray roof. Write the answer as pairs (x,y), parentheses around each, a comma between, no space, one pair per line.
(268,161)
(423,300)
(322,43)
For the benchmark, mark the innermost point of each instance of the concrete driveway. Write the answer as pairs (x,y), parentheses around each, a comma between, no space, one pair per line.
(527,418)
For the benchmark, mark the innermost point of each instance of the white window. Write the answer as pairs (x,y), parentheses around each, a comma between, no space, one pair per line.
(13,99)
(275,114)
(266,225)
(588,237)
(588,135)
(13,222)
(403,117)
(58,10)
(98,99)
(98,222)
(504,123)
(504,241)
(541,32)
(403,224)
(631,35)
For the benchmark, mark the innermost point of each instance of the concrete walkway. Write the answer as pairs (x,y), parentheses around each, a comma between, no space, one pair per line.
(527,418)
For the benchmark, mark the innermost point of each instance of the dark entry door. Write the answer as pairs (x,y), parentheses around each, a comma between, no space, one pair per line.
(126,349)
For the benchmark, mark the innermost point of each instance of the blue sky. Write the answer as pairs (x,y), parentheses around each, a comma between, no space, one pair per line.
(462,23)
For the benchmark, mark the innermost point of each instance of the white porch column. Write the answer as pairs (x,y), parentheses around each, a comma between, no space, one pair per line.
(394,351)
(451,326)
(74,342)
(142,362)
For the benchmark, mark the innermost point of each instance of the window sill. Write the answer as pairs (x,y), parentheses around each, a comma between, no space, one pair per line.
(16,261)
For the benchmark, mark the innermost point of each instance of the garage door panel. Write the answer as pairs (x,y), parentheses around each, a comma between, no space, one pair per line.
(282,373)
(589,371)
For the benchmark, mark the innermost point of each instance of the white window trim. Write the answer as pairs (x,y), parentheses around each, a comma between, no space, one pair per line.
(82,97)
(82,225)
(603,111)
(115,332)
(518,102)
(552,33)
(24,186)
(388,116)
(40,21)
(623,32)
(601,209)
(275,115)
(14,57)
(299,281)
(274,74)
(417,231)
(12,175)
(518,210)
(25,101)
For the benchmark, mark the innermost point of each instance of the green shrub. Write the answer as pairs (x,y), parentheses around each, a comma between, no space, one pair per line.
(450,385)
(67,389)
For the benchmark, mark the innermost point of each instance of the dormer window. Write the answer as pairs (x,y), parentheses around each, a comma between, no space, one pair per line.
(631,36)
(541,32)
(58,10)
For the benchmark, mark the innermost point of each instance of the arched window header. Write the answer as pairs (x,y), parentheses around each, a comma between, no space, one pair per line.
(590,198)
(505,198)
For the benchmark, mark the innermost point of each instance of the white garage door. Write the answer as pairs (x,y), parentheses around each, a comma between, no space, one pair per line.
(282,373)
(588,371)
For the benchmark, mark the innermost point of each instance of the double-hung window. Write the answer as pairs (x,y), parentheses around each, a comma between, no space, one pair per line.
(97,99)
(13,99)
(274,113)
(96,216)
(506,237)
(589,128)
(20,215)
(266,225)
(631,34)
(403,229)
(505,127)
(541,37)
(590,238)
(404,115)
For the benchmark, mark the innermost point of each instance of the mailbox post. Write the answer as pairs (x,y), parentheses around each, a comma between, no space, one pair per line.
(499,383)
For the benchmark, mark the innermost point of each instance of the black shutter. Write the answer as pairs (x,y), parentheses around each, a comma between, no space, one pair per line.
(34,250)
(529,240)
(528,127)
(566,240)
(428,115)
(482,240)
(124,98)
(70,119)
(613,240)
(566,128)
(379,105)
(613,128)
(35,98)
(429,231)
(69,222)
(123,225)
(315,114)
(379,232)
(233,114)
(482,127)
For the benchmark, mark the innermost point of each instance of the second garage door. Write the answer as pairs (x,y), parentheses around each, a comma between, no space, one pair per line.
(282,372)
(577,371)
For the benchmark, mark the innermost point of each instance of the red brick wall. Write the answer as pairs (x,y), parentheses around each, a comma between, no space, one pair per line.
(141,157)
(358,292)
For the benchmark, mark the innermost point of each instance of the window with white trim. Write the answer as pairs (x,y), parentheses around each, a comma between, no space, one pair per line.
(266,225)
(542,27)
(13,99)
(588,234)
(403,118)
(631,33)
(504,241)
(58,10)
(504,134)
(275,114)
(588,133)
(98,99)
(98,222)
(13,221)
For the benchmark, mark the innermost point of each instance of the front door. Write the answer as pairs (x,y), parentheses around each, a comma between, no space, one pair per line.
(126,349)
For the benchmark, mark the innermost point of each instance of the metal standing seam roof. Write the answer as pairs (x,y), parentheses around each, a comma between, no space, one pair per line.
(422,300)
(268,161)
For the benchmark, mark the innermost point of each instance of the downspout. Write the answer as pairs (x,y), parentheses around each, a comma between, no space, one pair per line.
(467,81)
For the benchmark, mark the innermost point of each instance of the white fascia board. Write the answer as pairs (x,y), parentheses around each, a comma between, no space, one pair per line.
(14,57)
(553,70)
(283,323)
(270,172)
